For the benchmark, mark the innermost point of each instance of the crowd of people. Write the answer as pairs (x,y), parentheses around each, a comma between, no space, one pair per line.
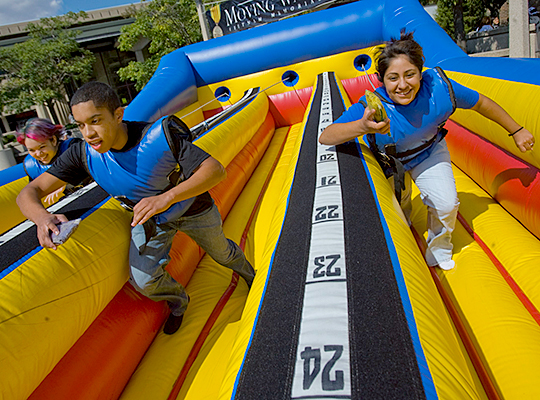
(488,23)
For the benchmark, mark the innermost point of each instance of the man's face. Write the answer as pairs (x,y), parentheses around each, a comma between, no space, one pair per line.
(101,129)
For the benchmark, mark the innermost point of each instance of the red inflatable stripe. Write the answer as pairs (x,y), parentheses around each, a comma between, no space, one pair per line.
(228,292)
(103,359)
(185,256)
(527,303)
(508,179)
(356,87)
(101,362)
(288,108)
(468,343)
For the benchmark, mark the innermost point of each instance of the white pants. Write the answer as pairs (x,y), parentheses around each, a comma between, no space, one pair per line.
(435,180)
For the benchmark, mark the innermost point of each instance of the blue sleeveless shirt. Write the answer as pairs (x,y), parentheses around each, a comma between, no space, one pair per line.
(139,172)
(414,124)
(418,122)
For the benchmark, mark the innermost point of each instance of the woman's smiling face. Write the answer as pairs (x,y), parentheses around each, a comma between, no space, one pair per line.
(43,151)
(402,80)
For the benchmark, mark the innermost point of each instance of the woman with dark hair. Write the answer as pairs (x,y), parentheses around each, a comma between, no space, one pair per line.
(409,143)
(44,141)
(485,24)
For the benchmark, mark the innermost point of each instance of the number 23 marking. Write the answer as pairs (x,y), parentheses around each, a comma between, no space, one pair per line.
(318,272)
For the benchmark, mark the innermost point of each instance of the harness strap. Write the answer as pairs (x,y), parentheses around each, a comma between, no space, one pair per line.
(399,178)
(174,129)
(392,162)
(441,133)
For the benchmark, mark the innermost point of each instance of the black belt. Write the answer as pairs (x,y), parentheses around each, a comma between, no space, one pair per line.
(390,160)
(423,146)
(126,203)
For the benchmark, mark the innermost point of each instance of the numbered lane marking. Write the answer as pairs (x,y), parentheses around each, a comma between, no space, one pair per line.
(322,364)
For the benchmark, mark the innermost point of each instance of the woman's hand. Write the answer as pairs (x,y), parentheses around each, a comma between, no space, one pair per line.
(524,140)
(488,108)
(53,197)
(369,125)
(338,133)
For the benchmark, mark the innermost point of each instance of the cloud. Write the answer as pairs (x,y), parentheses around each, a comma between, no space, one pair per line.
(12,11)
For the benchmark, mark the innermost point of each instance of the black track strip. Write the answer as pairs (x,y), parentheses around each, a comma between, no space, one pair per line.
(382,357)
(383,361)
(269,364)
(27,241)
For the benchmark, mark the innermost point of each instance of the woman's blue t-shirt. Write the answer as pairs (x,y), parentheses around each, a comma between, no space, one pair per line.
(415,124)
(465,98)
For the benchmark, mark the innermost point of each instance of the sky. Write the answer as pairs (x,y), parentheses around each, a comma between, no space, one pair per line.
(13,11)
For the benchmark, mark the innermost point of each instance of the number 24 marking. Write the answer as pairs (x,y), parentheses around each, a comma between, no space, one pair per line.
(310,374)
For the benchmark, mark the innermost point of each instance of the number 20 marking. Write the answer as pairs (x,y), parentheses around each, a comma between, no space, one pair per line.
(326,157)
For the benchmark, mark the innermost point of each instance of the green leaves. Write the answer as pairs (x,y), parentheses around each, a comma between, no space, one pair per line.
(140,72)
(36,70)
(473,11)
(168,24)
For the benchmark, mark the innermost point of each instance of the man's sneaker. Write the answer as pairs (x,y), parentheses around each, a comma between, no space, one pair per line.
(447,265)
(172,324)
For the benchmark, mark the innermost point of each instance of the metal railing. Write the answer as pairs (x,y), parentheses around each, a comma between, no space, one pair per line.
(496,43)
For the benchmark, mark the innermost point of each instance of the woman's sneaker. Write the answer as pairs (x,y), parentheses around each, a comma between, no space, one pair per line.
(447,265)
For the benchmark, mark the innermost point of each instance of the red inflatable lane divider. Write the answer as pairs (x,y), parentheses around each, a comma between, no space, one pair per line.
(90,370)
(185,256)
(511,181)
(288,108)
(356,87)
(475,358)
(263,191)
(507,277)
(228,292)
(98,362)
(222,302)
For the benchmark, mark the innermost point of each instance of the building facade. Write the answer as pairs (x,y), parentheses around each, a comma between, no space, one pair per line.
(99,34)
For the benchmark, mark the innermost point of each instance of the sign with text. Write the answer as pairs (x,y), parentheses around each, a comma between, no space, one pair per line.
(237,15)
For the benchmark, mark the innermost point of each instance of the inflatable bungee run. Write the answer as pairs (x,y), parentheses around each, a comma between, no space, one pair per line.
(343,305)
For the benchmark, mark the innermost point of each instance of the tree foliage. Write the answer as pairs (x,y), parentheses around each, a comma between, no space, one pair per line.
(473,11)
(168,24)
(35,71)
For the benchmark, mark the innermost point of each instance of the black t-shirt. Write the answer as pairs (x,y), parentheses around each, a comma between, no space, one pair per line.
(71,167)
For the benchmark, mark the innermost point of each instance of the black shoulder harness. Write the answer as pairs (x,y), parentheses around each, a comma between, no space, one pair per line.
(175,130)
(450,88)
